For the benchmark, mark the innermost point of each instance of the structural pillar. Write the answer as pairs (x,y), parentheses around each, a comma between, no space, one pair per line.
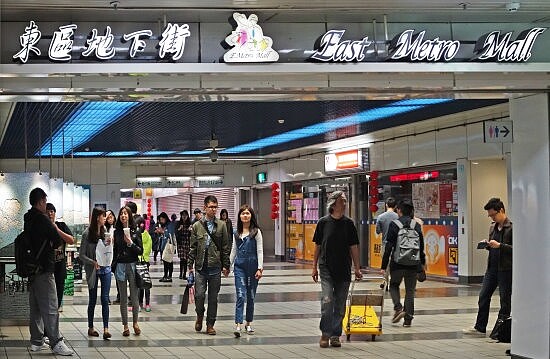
(530,210)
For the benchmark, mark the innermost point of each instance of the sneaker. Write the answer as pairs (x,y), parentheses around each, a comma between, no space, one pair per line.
(37,348)
(249,330)
(60,309)
(407,322)
(147,308)
(398,315)
(324,341)
(473,331)
(237,331)
(335,342)
(62,349)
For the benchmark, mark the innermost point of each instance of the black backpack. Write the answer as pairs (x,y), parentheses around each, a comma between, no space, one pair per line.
(26,264)
(502,330)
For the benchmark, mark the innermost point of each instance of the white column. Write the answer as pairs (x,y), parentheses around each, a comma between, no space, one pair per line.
(530,169)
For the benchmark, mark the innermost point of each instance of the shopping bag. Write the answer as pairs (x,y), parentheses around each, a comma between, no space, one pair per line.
(185,301)
(168,252)
(143,278)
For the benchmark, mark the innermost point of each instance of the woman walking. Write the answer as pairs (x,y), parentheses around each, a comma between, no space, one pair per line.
(183,237)
(247,262)
(127,248)
(96,253)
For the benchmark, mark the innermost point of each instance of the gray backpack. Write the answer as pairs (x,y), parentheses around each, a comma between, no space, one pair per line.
(407,247)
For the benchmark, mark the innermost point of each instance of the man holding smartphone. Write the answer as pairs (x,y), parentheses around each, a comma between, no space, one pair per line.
(499,267)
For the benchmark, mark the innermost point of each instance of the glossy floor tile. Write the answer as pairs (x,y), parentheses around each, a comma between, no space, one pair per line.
(286,324)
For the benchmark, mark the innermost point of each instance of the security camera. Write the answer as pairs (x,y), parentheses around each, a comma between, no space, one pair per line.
(512,6)
(214,155)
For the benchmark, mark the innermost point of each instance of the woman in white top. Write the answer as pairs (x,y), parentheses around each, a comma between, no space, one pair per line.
(96,252)
(247,263)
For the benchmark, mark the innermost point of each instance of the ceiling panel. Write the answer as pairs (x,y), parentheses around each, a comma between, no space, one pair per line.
(189,126)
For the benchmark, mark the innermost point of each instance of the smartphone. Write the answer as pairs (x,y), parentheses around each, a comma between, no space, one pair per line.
(482,245)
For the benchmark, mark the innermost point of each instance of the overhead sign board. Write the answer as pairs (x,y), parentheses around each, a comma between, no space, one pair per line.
(347,161)
(498,131)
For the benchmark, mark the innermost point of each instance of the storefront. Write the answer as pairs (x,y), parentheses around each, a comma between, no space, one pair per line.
(433,191)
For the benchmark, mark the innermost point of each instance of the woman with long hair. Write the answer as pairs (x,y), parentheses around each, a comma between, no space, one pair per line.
(224,216)
(164,234)
(127,248)
(247,262)
(96,253)
(183,237)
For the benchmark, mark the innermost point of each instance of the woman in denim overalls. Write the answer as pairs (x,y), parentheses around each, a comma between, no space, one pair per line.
(247,263)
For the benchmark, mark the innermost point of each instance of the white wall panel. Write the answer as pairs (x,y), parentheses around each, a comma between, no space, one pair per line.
(451,144)
(422,150)
(376,153)
(98,171)
(239,175)
(396,153)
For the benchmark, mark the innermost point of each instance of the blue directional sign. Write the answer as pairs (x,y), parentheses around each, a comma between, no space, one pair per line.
(497,131)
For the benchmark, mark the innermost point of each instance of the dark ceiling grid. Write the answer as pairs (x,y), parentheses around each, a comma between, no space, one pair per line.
(13,144)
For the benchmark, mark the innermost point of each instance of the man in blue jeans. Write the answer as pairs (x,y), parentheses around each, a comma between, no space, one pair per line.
(499,267)
(336,244)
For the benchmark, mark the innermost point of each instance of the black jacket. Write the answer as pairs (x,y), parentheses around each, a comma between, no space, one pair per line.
(505,250)
(41,229)
(391,241)
(122,253)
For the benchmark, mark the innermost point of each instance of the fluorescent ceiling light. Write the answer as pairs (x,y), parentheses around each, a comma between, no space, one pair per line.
(86,121)
(87,153)
(193,153)
(182,160)
(121,153)
(158,153)
(179,178)
(378,113)
(148,178)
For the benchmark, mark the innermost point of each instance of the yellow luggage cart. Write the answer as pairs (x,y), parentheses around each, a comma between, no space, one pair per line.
(362,316)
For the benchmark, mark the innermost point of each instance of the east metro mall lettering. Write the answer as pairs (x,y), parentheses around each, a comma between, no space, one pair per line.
(413,47)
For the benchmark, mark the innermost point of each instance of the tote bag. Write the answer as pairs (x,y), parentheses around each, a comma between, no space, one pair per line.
(143,278)
(169,250)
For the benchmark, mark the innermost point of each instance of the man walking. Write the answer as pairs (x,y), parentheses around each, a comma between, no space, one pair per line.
(336,245)
(209,254)
(382,223)
(405,260)
(43,316)
(499,267)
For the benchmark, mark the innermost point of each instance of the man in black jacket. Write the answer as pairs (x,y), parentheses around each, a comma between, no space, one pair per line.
(499,267)
(400,271)
(44,317)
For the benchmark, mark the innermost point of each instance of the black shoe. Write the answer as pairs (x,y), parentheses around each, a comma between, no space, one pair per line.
(180,277)
(407,322)
(169,280)
(162,279)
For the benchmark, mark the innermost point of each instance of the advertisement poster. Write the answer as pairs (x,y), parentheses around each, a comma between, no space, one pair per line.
(375,247)
(309,250)
(446,199)
(440,247)
(296,239)
(425,197)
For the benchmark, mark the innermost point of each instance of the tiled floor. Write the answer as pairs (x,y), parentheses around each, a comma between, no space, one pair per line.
(286,324)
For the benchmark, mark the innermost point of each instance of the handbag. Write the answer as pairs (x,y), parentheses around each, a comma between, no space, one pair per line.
(188,298)
(421,276)
(169,250)
(143,278)
(502,330)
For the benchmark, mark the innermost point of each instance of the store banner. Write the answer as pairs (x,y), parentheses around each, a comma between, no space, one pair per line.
(375,247)
(309,247)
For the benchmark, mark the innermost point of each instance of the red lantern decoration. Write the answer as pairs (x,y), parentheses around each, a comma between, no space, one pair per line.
(374,175)
(275,200)
(274,215)
(274,186)
(373,200)
(275,208)
(373,208)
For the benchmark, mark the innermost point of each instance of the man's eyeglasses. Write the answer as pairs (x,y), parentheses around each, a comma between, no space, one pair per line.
(212,207)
